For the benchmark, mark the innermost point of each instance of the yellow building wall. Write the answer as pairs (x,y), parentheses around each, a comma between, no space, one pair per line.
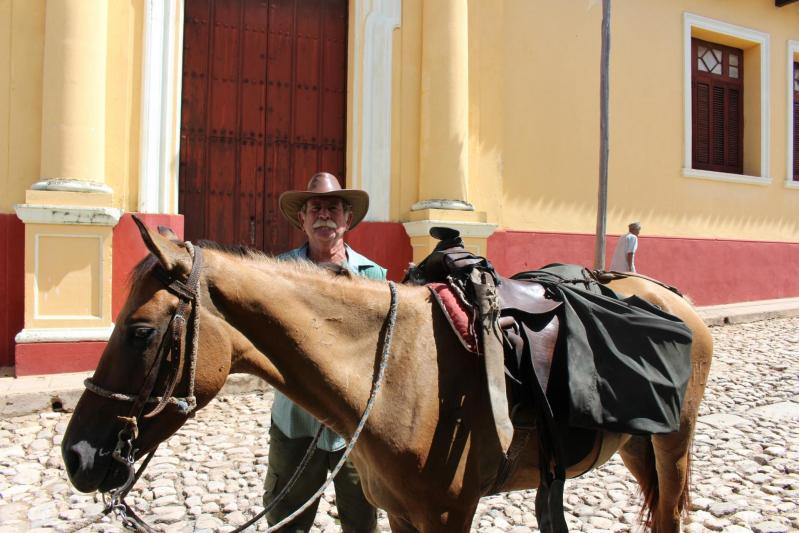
(533,115)
(647,127)
(534,119)
(21,63)
(123,101)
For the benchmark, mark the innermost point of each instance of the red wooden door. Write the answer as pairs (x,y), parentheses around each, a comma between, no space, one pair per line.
(264,108)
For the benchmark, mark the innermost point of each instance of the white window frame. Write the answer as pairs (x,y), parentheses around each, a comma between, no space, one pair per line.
(761,39)
(793,51)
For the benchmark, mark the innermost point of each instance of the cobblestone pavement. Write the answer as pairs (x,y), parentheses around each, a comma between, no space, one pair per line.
(745,470)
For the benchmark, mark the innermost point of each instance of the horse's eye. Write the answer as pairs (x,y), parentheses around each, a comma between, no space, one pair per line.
(139,336)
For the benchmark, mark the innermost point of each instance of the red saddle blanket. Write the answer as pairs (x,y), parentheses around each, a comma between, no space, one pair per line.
(460,316)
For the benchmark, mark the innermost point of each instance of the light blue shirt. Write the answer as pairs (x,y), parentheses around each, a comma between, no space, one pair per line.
(289,417)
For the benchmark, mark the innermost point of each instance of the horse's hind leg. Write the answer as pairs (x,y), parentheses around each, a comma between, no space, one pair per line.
(660,464)
(672,458)
(673,450)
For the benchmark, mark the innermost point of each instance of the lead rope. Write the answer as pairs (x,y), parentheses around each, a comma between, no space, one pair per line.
(195,323)
(306,459)
(376,385)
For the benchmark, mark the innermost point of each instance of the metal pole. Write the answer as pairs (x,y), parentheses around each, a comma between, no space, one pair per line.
(602,201)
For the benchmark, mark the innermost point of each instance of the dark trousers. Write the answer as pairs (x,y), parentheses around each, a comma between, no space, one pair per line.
(356,514)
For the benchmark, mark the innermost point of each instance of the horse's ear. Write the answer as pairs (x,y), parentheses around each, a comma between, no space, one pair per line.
(173,257)
(169,234)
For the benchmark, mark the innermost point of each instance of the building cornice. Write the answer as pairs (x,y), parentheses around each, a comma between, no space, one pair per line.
(29,335)
(480,230)
(68,214)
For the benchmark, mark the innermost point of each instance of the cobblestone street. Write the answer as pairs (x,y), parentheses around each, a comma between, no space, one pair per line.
(209,475)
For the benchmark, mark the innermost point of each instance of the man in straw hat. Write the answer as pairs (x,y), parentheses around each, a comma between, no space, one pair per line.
(324,212)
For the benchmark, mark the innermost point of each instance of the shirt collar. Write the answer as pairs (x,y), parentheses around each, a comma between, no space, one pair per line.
(355,261)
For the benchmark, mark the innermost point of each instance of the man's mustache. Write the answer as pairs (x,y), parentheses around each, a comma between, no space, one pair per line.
(325,224)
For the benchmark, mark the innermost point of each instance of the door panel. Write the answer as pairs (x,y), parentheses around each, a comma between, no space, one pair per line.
(264,108)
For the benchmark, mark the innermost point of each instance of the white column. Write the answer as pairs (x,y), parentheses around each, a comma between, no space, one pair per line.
(370,103)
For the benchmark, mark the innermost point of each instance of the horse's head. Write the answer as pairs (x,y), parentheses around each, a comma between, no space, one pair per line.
(156,369)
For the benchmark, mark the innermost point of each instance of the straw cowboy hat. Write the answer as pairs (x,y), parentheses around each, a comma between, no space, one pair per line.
(324,184)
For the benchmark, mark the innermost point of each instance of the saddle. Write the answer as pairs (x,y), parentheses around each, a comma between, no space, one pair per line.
(559,343)
(513,325)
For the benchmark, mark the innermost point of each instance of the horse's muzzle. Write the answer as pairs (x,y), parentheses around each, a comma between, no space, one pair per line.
(89,468)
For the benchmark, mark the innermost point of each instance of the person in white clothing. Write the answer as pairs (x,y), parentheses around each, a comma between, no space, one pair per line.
(624,255)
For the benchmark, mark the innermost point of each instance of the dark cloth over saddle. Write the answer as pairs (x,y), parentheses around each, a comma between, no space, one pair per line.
(628,361)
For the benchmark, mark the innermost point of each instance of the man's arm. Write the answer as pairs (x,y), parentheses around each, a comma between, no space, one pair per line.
(632,245)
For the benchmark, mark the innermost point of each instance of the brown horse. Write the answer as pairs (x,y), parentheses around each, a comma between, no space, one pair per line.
(428,452)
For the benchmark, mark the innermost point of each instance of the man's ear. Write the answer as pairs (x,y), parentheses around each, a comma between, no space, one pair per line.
(174,258)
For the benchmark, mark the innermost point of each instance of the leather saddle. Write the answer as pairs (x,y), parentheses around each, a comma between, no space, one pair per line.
(514,328)
(526,314)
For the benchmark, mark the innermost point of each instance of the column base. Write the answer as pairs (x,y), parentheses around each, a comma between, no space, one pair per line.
(56,357)
(46,348)
(472,226)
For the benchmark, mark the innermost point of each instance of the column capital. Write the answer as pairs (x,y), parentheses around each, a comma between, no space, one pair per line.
(456,205)
(71,185)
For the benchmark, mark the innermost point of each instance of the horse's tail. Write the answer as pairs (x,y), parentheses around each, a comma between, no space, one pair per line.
(649,486)
(685,497)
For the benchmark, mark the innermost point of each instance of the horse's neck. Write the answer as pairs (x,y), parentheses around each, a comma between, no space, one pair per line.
(316,337)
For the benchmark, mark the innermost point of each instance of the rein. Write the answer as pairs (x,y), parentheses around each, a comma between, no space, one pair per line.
(124,452)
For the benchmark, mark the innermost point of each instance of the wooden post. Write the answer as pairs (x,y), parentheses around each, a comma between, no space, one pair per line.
(602,201)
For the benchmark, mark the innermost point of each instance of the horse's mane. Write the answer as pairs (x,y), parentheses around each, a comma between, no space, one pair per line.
(236,250)
(254,256)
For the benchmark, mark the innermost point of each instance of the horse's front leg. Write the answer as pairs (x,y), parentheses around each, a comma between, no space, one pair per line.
(399,525)
(454,521)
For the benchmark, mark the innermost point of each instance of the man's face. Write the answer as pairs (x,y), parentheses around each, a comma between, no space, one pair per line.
(324,219)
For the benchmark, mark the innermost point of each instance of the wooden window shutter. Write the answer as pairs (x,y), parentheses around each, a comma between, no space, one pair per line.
(701,126)
(796,121)
(796,137)
(717,107)
(734,139)
(717,126)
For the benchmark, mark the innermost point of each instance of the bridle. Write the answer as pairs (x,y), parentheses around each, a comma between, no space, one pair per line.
(124,452)
(188,293)
(172,355)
